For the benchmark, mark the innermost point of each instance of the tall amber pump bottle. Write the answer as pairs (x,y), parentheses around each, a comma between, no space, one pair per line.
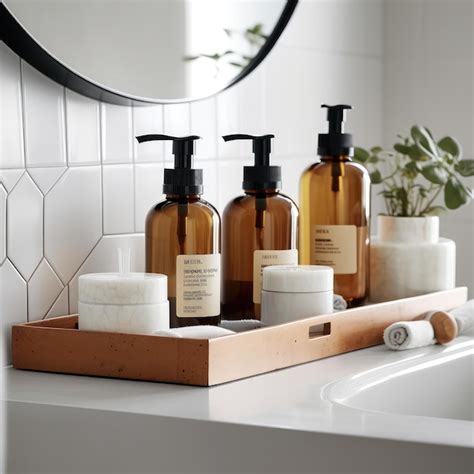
(259,228)
(182,235)
(335,211)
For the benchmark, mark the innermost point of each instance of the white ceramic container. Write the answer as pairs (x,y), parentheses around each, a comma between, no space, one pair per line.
(291,292)
(408,258)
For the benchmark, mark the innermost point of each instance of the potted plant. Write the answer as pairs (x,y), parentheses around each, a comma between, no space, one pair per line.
(408,257)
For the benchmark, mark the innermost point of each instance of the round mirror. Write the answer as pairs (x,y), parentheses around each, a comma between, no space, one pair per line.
(144,50)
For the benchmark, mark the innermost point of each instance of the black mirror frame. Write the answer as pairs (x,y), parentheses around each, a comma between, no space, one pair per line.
(23,44)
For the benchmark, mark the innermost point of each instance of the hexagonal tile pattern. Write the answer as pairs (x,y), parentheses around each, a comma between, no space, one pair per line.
(60,306)
(25,226)
(73,219)
(13,308)
(9,178)
(43,289)
(104,258)
(46,178)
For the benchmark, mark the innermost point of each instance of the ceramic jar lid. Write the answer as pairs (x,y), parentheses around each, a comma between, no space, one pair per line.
(298,278)
(117,288)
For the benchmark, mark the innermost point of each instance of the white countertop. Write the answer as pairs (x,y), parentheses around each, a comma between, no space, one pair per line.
(287,399)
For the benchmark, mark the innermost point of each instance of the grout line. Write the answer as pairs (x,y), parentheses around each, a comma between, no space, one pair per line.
(102,144)
(54,302)
(65,128)
(23,113)
(135,152)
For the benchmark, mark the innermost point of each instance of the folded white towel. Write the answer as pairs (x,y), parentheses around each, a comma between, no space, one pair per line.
(408,335)
(195,332)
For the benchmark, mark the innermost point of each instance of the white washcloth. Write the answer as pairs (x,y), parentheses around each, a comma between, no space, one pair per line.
(464,316)
(408,335)
(242,325)
(195,332)
(339,303)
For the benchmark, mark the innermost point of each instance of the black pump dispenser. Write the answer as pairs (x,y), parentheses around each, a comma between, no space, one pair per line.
(261,175)
(183,179)
(335,142)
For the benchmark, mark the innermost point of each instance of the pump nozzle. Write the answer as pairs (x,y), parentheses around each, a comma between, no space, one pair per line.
(335,142)
(261,176)
(183,179)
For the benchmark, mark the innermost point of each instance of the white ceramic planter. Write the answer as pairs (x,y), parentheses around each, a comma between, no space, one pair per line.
(408,258)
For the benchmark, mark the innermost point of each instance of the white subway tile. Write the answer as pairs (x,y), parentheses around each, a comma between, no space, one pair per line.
(117,134)
(83,129)
(13,306)
(3,224)
(177,122)
(104,258)
(118,199)
(209,170)
(73,219)
(147,120)
(43,289)
(61,305)
(25,226)
(11,126)
(228,123)
(203,123)
(46,178)
(44,119)
(148,191)
(229,175)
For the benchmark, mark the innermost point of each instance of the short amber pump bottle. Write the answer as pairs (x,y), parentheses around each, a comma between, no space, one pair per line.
(259,228)
(335,211)
(182,237)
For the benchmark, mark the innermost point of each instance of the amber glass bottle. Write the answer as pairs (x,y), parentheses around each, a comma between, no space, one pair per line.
(259,228)
(335,212)
(182,235)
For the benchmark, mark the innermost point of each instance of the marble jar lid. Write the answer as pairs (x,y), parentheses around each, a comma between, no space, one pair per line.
(118,288)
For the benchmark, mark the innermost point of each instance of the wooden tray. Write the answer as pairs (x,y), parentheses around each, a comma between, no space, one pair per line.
(56,345)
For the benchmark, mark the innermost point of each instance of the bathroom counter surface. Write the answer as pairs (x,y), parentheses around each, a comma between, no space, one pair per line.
(287,401)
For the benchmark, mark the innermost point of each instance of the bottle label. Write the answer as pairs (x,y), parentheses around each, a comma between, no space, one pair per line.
(198,283)
(265,258)
(336,247)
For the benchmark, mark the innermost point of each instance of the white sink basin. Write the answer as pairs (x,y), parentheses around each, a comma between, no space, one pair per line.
(437,385)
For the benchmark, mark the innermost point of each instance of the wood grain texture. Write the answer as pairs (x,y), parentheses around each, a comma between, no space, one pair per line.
(55,345)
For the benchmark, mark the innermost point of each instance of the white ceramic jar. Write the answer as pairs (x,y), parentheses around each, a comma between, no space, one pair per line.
(292,292)
(134,303)
(408,258)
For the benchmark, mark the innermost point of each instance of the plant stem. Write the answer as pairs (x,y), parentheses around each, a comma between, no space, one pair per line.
(440,187)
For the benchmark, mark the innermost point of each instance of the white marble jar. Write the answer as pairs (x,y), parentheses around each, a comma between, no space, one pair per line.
(408,258)
(133,303)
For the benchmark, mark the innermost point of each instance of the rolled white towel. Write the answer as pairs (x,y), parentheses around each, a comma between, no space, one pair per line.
(195,332)
(339,303)
(408,335)
(241,325)
(464,316)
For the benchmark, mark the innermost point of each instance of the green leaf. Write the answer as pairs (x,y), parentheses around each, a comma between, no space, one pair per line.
(376,149)
(455,194)
(451,146)
(403,149)
(373,159)
(434,174)
(424,141)
(410,170)
(376,177)
(435,211)
(361,155)
(465,167)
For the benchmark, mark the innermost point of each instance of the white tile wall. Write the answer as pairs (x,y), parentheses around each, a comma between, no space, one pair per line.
(429,74)
(83,130)
(332,51)
(44,124)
